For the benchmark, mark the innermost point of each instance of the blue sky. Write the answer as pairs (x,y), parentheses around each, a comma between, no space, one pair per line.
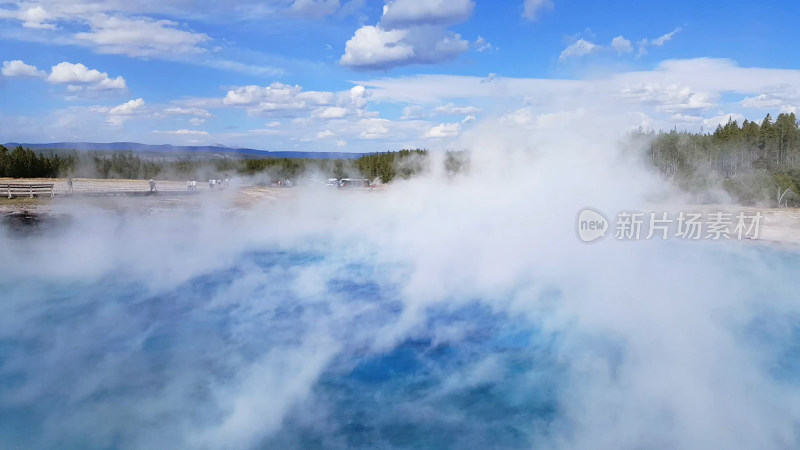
(360,75)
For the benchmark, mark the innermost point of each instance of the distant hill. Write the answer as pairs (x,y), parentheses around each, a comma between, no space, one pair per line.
(185,150)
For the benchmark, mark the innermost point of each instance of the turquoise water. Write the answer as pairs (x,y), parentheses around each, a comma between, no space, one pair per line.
(111,363)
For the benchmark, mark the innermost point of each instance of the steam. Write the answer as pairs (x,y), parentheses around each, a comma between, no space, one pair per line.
(226,328)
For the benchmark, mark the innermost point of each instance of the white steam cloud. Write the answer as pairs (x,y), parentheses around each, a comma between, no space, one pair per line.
(221,327)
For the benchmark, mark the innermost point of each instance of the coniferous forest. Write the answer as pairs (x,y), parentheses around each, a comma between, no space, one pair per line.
(753,162)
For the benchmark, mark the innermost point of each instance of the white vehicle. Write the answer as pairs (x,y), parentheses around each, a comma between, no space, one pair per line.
(355,183)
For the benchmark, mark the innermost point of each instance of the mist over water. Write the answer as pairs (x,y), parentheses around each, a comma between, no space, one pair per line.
(439,313)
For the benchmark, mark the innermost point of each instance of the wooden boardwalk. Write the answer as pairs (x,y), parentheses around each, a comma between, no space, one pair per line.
(31,190)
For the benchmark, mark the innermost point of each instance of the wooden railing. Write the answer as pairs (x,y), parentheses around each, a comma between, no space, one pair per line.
(19,189)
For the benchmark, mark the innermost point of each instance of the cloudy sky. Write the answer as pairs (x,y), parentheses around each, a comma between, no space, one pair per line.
(370,75)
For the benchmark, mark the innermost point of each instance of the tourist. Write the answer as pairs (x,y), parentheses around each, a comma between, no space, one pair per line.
(152,185)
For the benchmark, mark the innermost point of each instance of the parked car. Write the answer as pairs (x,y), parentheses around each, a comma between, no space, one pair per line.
(354,183)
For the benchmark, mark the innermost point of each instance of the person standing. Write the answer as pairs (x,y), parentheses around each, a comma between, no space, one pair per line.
(152,185)
(69,185)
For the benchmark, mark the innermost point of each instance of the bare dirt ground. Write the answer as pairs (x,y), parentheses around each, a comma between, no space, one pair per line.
(85,185)
(132,195)
(778,225)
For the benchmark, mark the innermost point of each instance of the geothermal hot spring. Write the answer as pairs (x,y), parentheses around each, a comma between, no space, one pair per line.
(441,313)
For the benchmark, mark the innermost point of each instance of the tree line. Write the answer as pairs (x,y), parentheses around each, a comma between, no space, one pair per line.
(754,162)
(24,163)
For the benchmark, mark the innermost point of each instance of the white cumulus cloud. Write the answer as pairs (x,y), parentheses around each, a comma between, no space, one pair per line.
(275,99)
(443,130)
(36,17)
(69,73)
(374,47)
(127,108)
(358,97)
(410,32)
(120,113)
(579,48)
(279,100)
(31,16)
(17,68)
(621,45)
